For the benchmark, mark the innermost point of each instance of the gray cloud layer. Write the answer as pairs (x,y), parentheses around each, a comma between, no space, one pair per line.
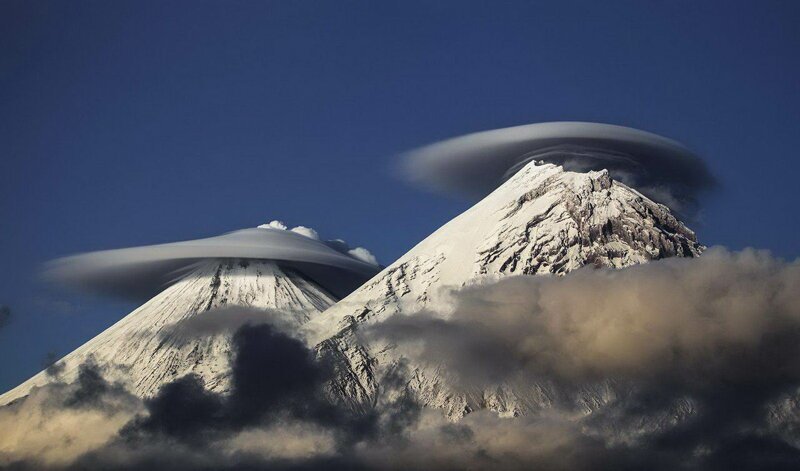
(719,335)
(477,163)
(725,316)
(141,272)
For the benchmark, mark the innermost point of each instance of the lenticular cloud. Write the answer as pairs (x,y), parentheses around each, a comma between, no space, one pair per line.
(141,272)
(475,164)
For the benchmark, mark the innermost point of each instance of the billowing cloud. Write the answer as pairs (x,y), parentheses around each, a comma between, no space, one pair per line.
(277,417)
(475,164)
(141,272)
(717,337)
(725,316)
(720,333)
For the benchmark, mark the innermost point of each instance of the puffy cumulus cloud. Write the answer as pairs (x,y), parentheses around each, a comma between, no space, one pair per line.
(302,230)
(142,272)
(306,231)
(275,224)
(364,255)
(359,253)
(475,164)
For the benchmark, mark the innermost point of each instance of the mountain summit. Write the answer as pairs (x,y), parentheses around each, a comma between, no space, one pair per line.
(188,327)
(207,288)
(542,221)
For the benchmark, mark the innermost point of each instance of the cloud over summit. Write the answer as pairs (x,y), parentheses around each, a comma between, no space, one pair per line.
(475,164)
(339,245)
(142,272)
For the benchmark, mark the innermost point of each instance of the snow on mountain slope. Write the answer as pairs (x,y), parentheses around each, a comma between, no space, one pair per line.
(543,220)
(150,346)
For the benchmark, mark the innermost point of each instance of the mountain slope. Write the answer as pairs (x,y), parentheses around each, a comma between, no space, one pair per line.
(162,340)
(543,220)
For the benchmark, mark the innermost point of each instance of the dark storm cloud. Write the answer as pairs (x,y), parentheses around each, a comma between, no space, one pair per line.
(475,164)
(141,272)
(271,372)
(275,415)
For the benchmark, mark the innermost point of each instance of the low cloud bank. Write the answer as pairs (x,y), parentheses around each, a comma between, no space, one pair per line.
(715,337)
(721,331)
(724,316)
(58,423)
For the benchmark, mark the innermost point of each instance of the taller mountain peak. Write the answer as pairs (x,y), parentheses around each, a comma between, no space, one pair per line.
(543,220)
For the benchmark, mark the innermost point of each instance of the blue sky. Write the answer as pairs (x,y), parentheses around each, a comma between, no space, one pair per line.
(128,123)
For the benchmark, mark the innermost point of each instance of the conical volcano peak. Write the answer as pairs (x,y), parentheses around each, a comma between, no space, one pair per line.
(200,291)
(188,328)
(544,220)
(549,220)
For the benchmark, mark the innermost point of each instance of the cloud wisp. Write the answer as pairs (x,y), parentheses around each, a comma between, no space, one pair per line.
(475,164)
(141,272)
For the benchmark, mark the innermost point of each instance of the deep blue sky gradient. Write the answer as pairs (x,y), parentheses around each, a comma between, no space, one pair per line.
(128,123)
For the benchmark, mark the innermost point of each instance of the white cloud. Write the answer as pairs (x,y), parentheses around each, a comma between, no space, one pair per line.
(306,231)
(364,255)
(274,225)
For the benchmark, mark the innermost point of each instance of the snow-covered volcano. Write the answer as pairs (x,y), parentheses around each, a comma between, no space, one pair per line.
(206,288)
(160,341)
(543,220)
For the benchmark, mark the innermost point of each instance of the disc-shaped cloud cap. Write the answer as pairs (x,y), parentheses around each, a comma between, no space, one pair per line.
(475,164)
(141,272)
